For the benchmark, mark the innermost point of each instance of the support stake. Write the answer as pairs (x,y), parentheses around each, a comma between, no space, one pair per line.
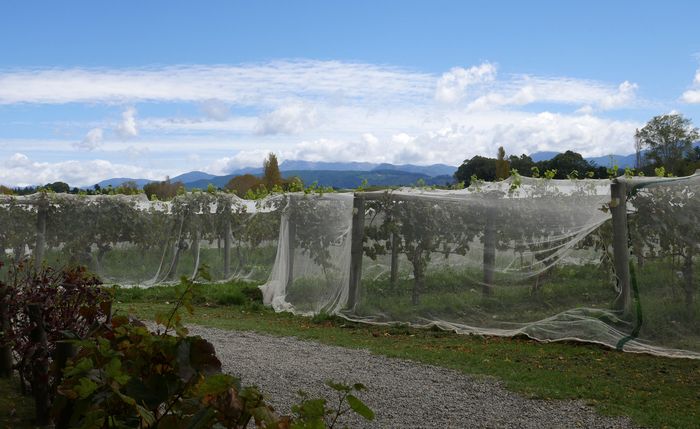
(227,249)
(357,237)
(291,243)
(621,254)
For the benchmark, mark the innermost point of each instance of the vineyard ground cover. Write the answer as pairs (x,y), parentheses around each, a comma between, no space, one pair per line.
(233,293)
(653,391)
(140,266)
(16,410)
(454,295)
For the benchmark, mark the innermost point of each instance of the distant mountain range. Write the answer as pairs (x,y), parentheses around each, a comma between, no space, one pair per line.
(351,174)
(334,174)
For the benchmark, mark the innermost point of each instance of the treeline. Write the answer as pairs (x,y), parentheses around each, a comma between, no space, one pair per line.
(564,165)
(666,146)
(126,188)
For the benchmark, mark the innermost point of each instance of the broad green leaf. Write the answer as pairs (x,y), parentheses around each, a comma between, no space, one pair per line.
(202,420)
(216,384)
(360,408)
(338,387)
(146,415)
(85,387)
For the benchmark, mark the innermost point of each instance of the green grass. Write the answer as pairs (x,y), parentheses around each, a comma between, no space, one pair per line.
(653,391)
(16,411)
(237,293)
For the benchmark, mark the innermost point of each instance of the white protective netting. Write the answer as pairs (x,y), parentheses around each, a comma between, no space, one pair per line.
(523,256)
(132,241)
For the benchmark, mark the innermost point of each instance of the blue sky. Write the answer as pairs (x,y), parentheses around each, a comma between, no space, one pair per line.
(91,90)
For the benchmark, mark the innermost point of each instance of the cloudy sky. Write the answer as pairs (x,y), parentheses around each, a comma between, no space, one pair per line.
(90,90)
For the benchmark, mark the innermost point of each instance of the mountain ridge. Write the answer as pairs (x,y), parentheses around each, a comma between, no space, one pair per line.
(351,174)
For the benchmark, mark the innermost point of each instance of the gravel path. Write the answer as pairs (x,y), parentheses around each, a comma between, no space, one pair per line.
(402,393)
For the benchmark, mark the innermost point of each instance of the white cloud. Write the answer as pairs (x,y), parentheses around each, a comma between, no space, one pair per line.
(215,109)
(127,128)
(469,134)
(20,170)
(452,86)
(267,84)
(175,125)
(321,111)
(589,95)
(291,119)
(625,94)
(245,158)
(136,152)
(692,95)
(92,140)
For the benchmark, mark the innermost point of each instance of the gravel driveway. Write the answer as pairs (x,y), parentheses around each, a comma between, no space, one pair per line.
(402,393)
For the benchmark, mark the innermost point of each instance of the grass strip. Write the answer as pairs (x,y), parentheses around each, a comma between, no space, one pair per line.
(653,391)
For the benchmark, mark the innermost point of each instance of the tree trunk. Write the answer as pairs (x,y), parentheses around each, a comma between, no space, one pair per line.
(394,259)
(5,348)
(40,366)
(179,245)
(18,252)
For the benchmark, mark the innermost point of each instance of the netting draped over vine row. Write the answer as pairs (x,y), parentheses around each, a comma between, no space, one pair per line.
(550,259)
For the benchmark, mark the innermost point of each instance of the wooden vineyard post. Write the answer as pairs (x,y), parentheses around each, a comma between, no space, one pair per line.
(357,237)
(227,249)
(41,215)
(64,351)
(40,365)
(621,254)
(291,243)
(489,252)
(5,348)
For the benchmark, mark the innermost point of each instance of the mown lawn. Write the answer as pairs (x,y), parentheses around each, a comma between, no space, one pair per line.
(653,391)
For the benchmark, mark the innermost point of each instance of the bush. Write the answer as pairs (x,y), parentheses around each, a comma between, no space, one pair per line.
(70,300)
(126,376)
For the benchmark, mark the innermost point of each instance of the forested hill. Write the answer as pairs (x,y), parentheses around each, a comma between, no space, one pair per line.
(342,179)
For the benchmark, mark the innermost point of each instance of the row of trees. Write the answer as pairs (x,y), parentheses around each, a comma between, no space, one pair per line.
(562,166)
(667,143)
(533,228)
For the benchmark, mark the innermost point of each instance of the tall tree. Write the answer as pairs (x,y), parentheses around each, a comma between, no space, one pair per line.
(502,165)
(241,184)
(669,141)
(566,164)
(479,166)
(271,172)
